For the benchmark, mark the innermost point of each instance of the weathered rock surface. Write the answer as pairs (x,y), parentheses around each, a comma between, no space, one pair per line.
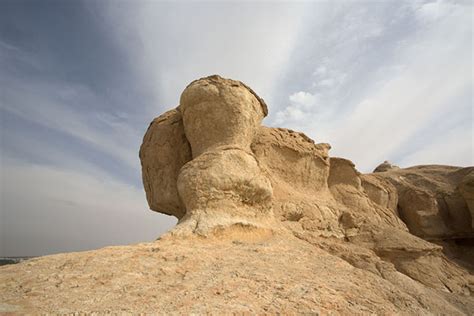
(244,273)
(164,151)
(466,188)
(434,201)
(268,223)
(385,166)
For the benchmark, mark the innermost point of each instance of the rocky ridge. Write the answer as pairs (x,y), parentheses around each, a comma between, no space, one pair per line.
(268,223)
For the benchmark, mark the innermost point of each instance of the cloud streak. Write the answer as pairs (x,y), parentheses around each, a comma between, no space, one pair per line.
(184,41)
(408,79)
(59,106)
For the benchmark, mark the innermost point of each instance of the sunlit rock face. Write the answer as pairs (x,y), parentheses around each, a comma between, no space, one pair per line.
(164,151)
(385,166)
(269,223)
(221,182)
(211,163)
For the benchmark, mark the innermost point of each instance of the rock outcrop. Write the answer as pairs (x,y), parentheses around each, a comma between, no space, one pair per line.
(466,188)
(268,223)
(164,151)
(385,166)
(434,201)
(242,173)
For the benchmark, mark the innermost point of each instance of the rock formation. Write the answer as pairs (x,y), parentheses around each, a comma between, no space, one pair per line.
(434,200)
(385,166)
(268,223)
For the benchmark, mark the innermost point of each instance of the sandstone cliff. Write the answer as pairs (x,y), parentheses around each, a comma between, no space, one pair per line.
(268,223)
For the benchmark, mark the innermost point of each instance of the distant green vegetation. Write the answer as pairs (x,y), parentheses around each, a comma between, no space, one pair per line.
(12,260)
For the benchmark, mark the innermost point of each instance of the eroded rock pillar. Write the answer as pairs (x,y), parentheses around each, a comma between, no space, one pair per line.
(223,184)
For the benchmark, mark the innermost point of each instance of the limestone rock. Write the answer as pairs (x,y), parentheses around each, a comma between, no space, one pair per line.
(277,181)
(224,187)
(385,166)
(223,184)
(343,171)
(220,112)
(269,223)
(345,183)
(239,274)
(466,188)
(298,170)
(292,159)
(165,149)
(380,191)
(433,200)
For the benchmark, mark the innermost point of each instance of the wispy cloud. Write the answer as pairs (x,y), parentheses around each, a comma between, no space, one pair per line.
(72,119)
(180,42)
(378,82)
(450,149)
(63,107)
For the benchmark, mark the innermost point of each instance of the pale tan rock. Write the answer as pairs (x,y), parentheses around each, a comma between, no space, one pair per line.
(220,112)
(235,272)
(268,224)
(380,191)
(385,166)
(431,201)
(292,159)
(223,185)
(165,149)
(343,171)
(345,183)
(298,170)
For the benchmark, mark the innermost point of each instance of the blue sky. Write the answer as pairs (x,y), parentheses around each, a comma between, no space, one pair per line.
(81,80)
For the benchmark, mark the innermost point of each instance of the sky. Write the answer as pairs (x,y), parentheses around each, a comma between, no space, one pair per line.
(80,82)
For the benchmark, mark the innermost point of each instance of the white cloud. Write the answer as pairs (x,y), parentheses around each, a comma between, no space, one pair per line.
(429,12)
(326,83)
(179,43)
(291,113)
(371,104)
(435,74)
(302,98)
(320,71)
(301,104)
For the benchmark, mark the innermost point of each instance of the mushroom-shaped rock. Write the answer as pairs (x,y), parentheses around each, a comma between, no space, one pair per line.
(211,164)
(213,180)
